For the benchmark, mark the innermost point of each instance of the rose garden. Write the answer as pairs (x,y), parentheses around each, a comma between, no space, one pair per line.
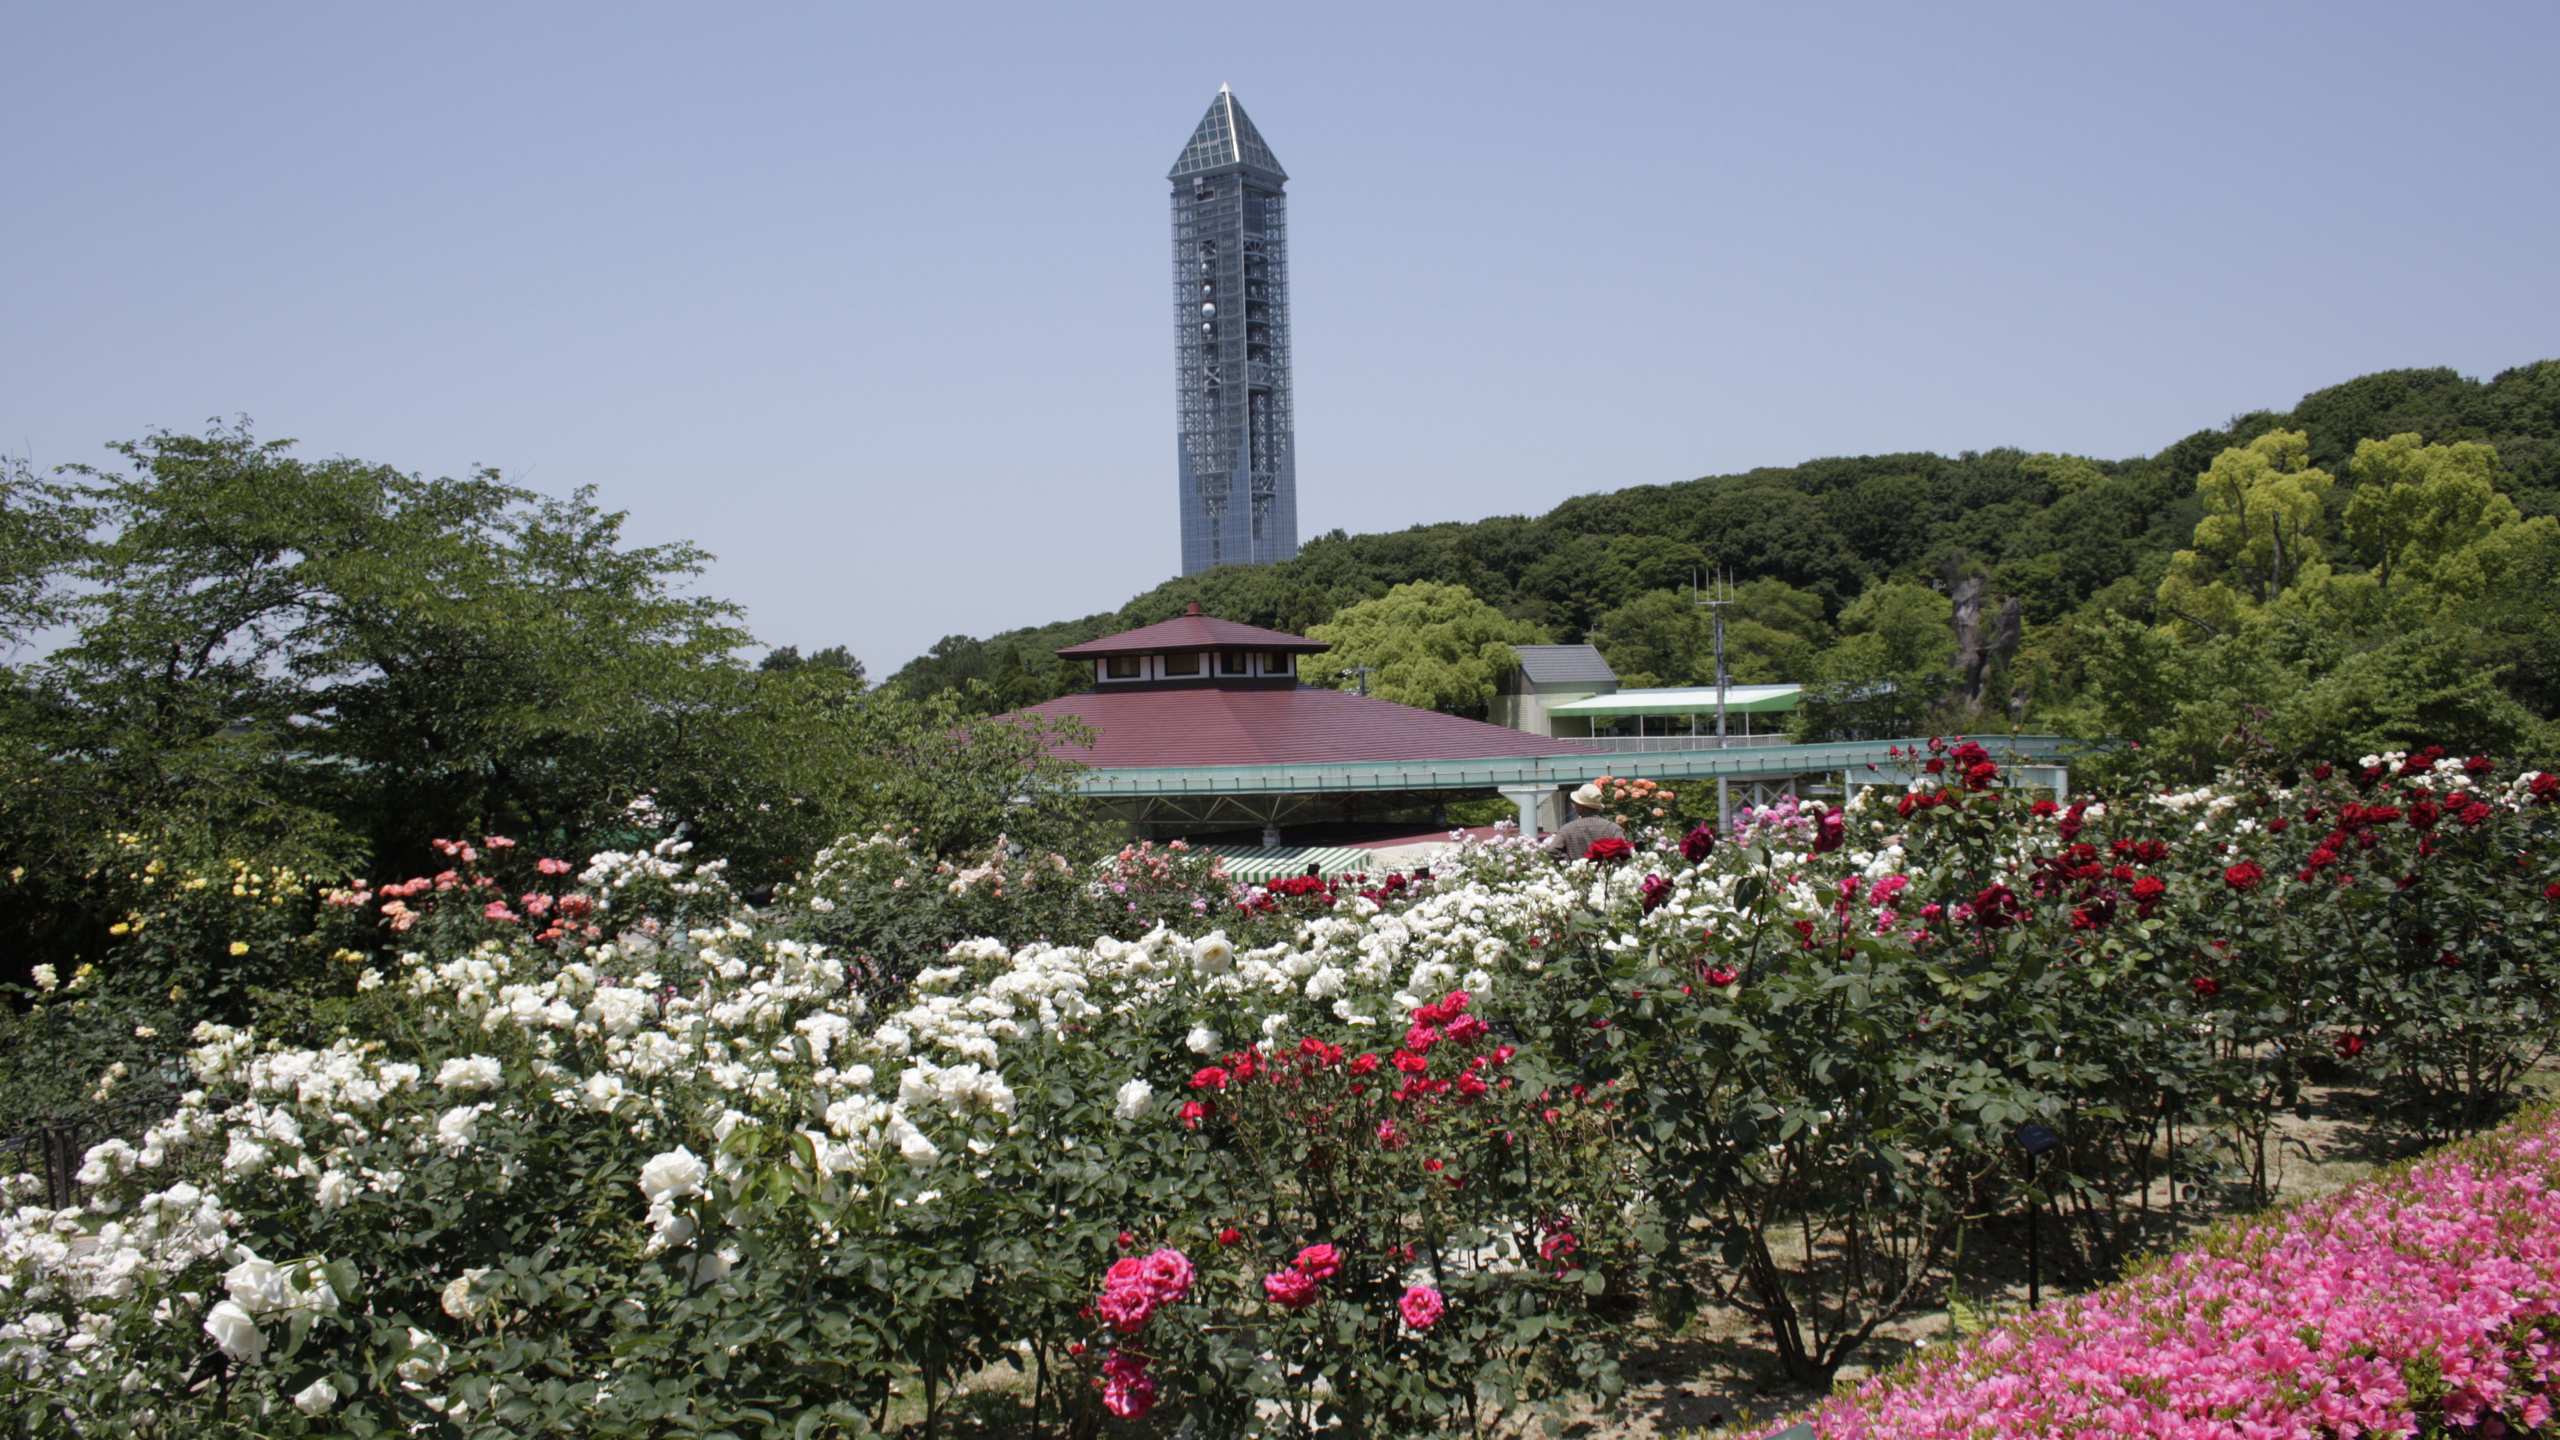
(1045,1145)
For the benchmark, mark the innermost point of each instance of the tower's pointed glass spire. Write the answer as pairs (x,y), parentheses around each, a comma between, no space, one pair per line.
(1226,139)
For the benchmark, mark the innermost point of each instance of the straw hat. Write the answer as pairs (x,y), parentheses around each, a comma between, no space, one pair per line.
(1588,797)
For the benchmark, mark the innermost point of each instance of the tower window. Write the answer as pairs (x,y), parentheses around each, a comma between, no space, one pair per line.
(1276,662)
(1182,662)
(1234,662)
(1123,667)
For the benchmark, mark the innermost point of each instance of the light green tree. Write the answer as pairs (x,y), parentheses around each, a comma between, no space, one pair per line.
(2261,531)
(2416,505)
(1426,644)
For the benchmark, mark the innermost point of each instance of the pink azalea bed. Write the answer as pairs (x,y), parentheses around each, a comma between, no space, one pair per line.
(2424,1301)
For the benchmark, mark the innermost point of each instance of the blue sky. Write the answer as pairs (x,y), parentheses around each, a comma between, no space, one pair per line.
(874,302)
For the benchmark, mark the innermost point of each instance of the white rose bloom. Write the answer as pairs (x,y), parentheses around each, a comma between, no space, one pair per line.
(1213,953)
(45,977)
(676,1173)
(1202,1040)
(471,1072)
(258,1286)
(1134,1100)
(459,1300)
(425,1360)
(316,1397)
(233,1330)
(335,1189)
(458,1127)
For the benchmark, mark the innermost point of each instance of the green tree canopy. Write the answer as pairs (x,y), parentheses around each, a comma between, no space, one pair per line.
(1427,644)
(2263,526)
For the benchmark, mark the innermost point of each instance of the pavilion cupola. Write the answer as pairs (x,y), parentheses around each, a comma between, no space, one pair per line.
(1194,649)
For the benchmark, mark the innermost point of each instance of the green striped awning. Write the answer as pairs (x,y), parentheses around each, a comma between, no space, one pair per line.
(1255,864)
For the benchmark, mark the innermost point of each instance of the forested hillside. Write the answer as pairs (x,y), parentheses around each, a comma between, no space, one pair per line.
(1909,563)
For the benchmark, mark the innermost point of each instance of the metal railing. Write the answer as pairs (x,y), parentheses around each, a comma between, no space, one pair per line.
(1660,744)
(56,1146)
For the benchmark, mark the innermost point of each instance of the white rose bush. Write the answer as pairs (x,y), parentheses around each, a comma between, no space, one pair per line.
(602,1149)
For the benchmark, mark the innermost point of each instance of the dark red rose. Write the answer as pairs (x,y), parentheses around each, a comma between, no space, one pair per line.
(2551,892)
(2322,771)
(2478,765)
(1608,850)
(1698,844)
(2350,1044)
(2451,959)
(1656,890)
(1936,766)
(2045,809)
(2146,894)
(2279,825)
(2206,987)
(1719,976)
(1997,907)
(1828,832)
(1980,774)
(2244,877)
(2546,786)
(2473,813)
(2422,816)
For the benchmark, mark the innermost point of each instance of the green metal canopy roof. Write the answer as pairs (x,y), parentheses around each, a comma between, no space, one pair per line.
(1687,700)
(1257,864)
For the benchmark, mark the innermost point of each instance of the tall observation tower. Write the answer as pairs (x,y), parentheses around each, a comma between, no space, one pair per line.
(1238,485)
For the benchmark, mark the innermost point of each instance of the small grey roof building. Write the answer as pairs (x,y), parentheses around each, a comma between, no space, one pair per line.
(1548,676)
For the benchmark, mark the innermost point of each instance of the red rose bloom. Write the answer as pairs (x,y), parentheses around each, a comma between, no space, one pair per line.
(2206,987)
(2350,1044)
(2244,877)
(1656,890)
(1828,833)
(1608,850)
(1698,844)
(1318,1262)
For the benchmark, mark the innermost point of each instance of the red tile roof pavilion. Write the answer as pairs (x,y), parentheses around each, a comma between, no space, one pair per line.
(1259,719)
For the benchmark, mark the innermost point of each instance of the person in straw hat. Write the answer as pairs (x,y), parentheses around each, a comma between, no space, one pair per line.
(1587,825)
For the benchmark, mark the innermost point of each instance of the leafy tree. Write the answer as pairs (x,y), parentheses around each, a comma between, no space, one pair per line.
(1657,638)
(2415,505)
(834,657)
(1889,669)
(2263,525)
(1427,644)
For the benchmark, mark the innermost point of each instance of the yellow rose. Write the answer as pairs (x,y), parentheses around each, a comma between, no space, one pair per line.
(120,928)
(239,947)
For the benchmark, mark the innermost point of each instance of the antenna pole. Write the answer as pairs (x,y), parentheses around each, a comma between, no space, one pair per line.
(1719,595)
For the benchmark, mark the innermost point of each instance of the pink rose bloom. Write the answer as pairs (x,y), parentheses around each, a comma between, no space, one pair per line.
(1128,1391)
(1318,1262)
(1124,1271)
(497,910)
(1290,1288)
(549,866)
(497,842)
(1167,1275)
(1422,1307)
(1125,1308)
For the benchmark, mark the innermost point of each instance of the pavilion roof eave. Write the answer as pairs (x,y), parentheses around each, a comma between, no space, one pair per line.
(1687,700)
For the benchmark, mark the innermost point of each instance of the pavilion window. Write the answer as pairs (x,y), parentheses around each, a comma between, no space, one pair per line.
(1182,662)
(1276,662)
(1234,662)
(1124,667)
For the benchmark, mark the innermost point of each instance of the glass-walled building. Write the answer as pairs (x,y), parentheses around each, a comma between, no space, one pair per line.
(1237,479)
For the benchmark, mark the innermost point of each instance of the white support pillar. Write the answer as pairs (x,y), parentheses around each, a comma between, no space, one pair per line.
(1528,798)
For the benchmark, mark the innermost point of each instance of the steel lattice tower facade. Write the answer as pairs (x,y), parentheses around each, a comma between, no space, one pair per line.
(1238,484)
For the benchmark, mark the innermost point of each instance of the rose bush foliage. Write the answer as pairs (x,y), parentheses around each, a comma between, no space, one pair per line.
(601,1149)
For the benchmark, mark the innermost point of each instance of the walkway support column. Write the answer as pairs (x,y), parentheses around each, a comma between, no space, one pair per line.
(1528,798)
